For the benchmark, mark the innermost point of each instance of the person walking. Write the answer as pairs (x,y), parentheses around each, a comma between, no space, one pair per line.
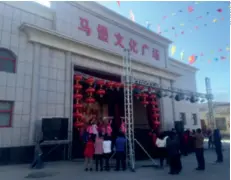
(218,145)
(37,162)
(120,151)
(199,150)
(107,151)
(99,152)
(161,144)
(173,150)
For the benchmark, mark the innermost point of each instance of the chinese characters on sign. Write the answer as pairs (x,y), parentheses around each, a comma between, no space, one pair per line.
(103,36)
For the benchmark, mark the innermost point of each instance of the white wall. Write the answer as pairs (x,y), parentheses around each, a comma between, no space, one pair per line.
(17,87)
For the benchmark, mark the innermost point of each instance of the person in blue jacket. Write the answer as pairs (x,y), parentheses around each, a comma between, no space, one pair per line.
(120,146)
(218,145)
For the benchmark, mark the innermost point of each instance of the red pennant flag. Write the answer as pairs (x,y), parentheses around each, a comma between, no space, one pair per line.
(219,10)
(190,9)
(223,58)
(118,2)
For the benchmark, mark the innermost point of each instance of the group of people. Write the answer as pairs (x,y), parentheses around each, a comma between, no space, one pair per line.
(101,147)
(172,145)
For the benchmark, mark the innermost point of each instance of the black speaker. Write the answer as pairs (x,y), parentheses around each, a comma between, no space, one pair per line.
(55,128)
(179,126)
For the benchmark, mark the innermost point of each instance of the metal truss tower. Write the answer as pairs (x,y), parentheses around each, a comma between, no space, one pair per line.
(127,80)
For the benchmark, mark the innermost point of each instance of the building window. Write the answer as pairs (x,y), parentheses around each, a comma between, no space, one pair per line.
(194,118)
(221,123)
(183,118)
(6,109)
(7,60)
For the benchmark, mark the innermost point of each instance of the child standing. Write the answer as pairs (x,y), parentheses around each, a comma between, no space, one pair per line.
(99,152)
(89,153)
(107,151)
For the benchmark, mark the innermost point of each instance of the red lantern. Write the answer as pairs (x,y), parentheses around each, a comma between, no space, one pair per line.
(78,96)
(90,91)
(153,103)
(156,123)
(144,95)
(117,86)
(145,103)
(90,100)
(152,96)
(137,96)
(90,81)
(156,115)
(78,86)
(78,106)
(101,92)
(78,115)
(155,109)
(100,83)
(78,124)
(110,84)
(140,87)
(78,78)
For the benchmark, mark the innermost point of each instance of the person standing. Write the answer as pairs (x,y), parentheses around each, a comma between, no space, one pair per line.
(99,152)
(89,153)
(107,151)
(199,150)
(120,145)
(161,144)
(218,145)
(173,149)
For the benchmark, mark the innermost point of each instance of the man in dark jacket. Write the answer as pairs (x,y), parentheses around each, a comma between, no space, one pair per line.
(199,149)
(37,162)
(173,149)
(120,145)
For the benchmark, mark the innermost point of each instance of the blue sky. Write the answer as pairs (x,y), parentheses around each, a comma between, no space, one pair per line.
(207,39)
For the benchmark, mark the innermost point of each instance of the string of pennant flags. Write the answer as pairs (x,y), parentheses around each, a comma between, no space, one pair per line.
(177,31)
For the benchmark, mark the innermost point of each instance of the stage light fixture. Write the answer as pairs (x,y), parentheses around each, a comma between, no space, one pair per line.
(165,94)
(172,95)
(202,100)
(179,97)
(159,94)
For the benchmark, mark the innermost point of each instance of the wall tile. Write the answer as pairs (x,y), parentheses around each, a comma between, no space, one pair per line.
(43,84)
(21,69)
(3,78)
(42,110)
(27,95)
(51,110)
(5,39)
(20,80)
(28,82)
(16,134)
(43,98)
(52,85)
(52,73)
(51,97)
(60,98)
(14,40)
(8,11)
(11,80)
(16,15)
(1,22)
(18,107)
(28,68)
(60,75)
(2,92)
(26,108)
(60,110)
(60,86)
(44,72)
(25,120)
(10,93)
(6,24)
(24,138)
(16,121)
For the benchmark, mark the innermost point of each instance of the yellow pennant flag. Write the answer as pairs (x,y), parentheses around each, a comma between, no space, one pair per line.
(173,50)
(182,24)
(215,20)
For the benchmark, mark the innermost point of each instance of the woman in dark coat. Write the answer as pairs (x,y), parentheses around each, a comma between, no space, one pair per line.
(218,145)
(173,149)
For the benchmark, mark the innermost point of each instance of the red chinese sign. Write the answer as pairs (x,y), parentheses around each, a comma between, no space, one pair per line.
(118,39)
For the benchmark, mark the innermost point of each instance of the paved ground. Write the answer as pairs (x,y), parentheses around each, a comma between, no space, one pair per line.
(74,170)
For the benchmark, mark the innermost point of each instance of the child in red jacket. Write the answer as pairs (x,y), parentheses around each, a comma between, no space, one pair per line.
(89,153)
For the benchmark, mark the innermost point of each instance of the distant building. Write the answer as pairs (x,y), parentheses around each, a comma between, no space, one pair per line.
(221,114)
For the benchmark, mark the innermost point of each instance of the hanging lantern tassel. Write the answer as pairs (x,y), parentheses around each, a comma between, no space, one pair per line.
(110,85)
(117,86)
(78,78)
(101,92)
(145,103)
(90,91)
